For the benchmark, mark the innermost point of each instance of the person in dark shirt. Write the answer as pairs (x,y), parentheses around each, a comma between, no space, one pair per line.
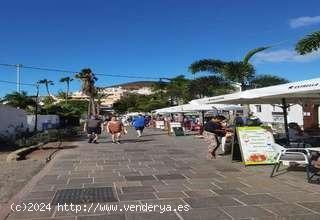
(93,128)
(212,130)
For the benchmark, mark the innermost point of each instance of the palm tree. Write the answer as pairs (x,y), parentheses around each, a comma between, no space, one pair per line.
(267,80)
(159,87)
(309,43)
(236,71)
(99,96)
(209,86)
(66,80)
(88,88)
(19,100)
(177,90)
(46,82)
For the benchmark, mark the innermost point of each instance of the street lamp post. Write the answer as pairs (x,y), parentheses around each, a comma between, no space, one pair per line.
(36,109)
(18,66)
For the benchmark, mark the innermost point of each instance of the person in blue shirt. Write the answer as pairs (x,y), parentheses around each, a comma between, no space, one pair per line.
(139,124)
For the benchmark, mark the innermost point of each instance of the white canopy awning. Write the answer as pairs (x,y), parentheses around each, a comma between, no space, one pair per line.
(194,106)
(296,92)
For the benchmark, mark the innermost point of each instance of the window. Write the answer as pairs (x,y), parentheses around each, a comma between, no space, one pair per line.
(258,107)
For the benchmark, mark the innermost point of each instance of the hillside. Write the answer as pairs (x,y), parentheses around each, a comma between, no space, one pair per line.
(135,85)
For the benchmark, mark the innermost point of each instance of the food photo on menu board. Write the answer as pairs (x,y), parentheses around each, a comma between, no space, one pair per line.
(256,144)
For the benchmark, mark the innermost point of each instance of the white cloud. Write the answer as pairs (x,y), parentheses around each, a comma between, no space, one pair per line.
(304,21)
(285,55)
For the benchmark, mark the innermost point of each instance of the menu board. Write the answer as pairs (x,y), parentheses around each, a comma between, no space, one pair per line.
(256,144)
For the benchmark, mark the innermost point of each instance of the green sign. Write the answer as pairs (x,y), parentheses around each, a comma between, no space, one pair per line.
(256,144)
(178,131)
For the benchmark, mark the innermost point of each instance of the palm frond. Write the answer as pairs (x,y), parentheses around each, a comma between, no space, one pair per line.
(238,71)
(252,52)
(206,65)
(66,79)
(309,43)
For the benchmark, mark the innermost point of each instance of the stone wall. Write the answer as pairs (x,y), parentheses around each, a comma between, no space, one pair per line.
(12,121)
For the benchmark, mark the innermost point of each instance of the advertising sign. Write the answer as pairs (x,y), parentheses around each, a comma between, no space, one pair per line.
(256,145)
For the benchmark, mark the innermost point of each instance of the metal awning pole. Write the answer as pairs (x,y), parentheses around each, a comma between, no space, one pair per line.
(202,114)
(285,117)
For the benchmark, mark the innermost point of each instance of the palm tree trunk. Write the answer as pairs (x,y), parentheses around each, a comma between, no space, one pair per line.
(98,109)
(47,88)
(89,107)
(93,106)
(67,93)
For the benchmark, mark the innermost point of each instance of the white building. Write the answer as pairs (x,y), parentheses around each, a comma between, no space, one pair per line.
(273,114)
(115,93)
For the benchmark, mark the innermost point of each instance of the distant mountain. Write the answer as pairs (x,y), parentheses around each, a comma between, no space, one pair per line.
(135,85)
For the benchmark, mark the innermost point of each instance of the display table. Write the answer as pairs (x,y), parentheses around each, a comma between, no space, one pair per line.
(174,125)
(160,124)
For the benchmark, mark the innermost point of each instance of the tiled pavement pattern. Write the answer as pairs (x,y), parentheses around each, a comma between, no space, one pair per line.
(158,169)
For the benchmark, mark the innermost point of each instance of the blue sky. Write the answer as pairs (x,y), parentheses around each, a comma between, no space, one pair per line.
(154,38)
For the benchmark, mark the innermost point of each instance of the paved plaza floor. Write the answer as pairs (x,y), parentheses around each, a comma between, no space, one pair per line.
(161,177)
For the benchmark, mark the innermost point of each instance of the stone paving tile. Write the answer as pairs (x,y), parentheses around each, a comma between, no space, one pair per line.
(34,201)
(215,201)
(152,216)
(139,178)
(57,218)
(228,192)
(297,196)
(200,176)
(136,196)
(230,185)
(81,173)
(228,169)
(247,212)
(80,181)
(162,195)
(127,183)
(200,193)
(69,186)
(170,188)
(314,206)
(200,181)
(205,214)
(50,181)
(129,173)
(286,209)
(108,179)
(38,188)
(175,181)
(135,189)
(294,217)
(41,195)
(258,199)
(101,184)
(103,174)
(152,182)
(255,190)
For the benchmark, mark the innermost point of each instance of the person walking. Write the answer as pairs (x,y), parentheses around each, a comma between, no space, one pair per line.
(212,131)
(139,124)
(93,128)
(115,128)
